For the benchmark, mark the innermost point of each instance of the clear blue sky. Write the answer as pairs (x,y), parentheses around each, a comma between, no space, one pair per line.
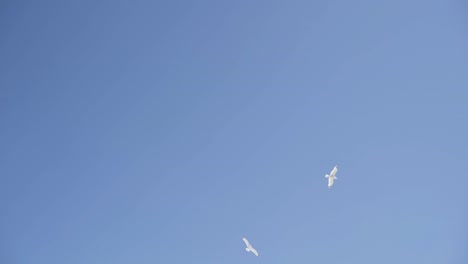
(163,131)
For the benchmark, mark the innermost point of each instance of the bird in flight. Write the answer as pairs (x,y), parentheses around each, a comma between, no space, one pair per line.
(249,247)
(332,176)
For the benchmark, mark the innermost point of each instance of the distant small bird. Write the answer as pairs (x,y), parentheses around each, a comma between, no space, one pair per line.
(332,176)
(249,247)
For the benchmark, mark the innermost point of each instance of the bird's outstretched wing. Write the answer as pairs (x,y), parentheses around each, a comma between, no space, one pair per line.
(254,251)
(246,242)
(334,171)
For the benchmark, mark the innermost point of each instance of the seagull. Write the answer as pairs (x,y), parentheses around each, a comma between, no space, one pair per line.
(249,247)
(332,176)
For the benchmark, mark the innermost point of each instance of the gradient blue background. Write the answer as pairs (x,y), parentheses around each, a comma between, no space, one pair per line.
(164,131)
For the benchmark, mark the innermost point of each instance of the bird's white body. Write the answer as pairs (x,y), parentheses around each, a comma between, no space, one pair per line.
(249,247)
(332,177)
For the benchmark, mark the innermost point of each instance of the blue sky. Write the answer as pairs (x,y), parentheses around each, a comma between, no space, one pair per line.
(164,131)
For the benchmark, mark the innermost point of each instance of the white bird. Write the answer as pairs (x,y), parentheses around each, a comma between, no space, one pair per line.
(332,176)
(249,247)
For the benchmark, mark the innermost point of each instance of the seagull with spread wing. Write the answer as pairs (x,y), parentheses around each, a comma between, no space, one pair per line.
(332,177)
(249,247)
